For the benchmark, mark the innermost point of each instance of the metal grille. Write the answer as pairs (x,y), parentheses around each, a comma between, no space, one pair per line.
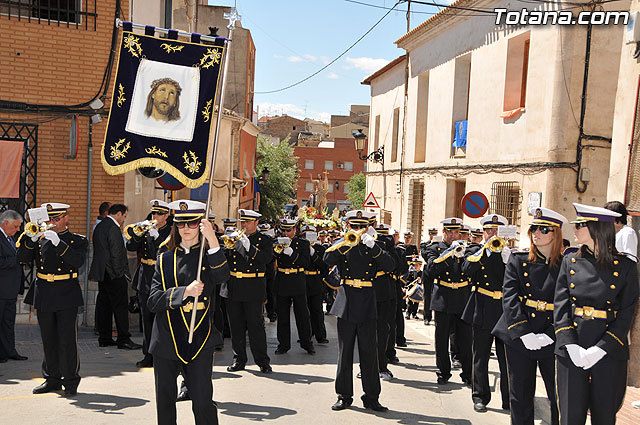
(633,179)
(506,199)
(416,208)
(78,13)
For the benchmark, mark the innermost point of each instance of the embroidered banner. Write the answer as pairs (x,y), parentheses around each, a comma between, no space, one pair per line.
(162,107)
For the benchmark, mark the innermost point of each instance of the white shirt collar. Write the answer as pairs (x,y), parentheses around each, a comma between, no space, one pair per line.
(114,220)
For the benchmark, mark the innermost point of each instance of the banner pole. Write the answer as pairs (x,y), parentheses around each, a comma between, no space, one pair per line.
(232,17)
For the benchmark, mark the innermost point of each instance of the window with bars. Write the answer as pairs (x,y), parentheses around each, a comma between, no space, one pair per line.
(506,200)
(415,208)
(76,13)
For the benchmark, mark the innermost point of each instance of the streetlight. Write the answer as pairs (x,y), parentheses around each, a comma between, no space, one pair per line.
(375,156)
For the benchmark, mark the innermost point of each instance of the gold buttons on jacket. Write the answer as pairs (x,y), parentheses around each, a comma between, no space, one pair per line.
(533,315)
(571,285)
(527,284)
(203,268)
(575,324)
(616,262)
(526,274)
(573,260)
(616,274)
(524,264)
(612,286)
(572,272)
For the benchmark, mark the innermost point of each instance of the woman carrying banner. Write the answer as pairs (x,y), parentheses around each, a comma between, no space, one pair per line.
(595,302)
(171,299)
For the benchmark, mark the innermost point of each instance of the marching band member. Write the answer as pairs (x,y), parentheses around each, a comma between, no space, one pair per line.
(58,254)
(595,301)
(485,265)
(477,236)
(410,248)
(413,283)
(427,279)
(171,298)
(270,274)
(147,237)
(355,307)
(526,324)
(245,292)
(401,268)
(314,274)
(292,256)
(450,295)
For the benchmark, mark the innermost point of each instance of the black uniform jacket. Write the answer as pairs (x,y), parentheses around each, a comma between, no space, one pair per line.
(446,299)
(247,281)
(427,279)
(57,287)
(316,271)
(353,303)
(487,274)
(10,270)
(613,296)
(525,282)
(149,247)
(109,252)
(410,250)
(384,282)
(174,271)
(401,269)
(290,280)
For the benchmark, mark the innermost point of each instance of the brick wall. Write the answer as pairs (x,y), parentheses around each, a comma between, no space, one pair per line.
(283,126)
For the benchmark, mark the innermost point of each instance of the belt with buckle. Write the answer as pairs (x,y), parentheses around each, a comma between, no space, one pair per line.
(496,295)
(311,272)
(189,306)
(588,313)
(358,283)
(453,285)
(539,305)
(290,271)
(148,262)
(241,275)
(53,277)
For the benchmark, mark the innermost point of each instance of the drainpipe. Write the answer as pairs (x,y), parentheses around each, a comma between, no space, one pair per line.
(88,218)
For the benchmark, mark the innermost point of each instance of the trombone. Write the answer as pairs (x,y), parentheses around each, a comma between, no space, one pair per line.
(494,244)
(139,230)
(31,229)
(230,241)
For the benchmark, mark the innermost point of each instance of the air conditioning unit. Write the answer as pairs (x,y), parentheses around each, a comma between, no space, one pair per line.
(340,165)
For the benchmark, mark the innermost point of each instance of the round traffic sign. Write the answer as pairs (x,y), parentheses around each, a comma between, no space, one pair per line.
(474,204)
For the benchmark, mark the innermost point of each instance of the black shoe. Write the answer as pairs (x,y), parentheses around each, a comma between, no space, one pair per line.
(323,341)
(18,357)
(219,347)
(341,404)
(146,362)
(272,317)
(359,375)
(108,343)
(506,407)
(266,369)
(281,350)
(442,380)
(394,360)
(46,387)
(309,349)
(70,392)
(427,322)
(479,407)
(3,360)
(401,344)
(456,364)
(183,396)
(407,317)
(374,405)
(235,366)
(129,345)
(467,382)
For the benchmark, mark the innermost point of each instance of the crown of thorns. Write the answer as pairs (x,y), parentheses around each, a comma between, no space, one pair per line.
(157,83)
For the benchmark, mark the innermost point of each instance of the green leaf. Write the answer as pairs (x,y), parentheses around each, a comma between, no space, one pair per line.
(278,190)
(357,190)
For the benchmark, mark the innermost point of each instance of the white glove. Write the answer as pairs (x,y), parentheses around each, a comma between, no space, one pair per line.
(144,223)
(544,340)
(154,233)
(52,236)
(506,253)
(311,251)
(35,237)
(530,341)
(371,231)
(455,245)
(488,252)
(592,356)
(367,240)
(245,242)
(577,354)
(284,240)
(287,251)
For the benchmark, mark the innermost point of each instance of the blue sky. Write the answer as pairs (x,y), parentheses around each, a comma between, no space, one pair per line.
(296,38)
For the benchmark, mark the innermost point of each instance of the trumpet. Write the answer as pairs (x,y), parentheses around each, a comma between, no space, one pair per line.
(279,247)
(351,239)
(139,230)
(495,244)
(31,229)
(230,241)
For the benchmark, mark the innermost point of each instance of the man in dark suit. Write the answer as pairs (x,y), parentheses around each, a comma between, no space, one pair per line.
(109,268)
(11,284)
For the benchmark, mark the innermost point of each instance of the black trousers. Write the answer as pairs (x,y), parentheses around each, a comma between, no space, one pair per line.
(147,322)
(428,289)
(400,338)
(390,350)
(365,332)
(197,375)
(445,322)
(522,385)
(112,298)
(481,348)
(218,319)
(303,323)
(7,328)
(58,330)
(247,316)
(385,316)
(316,315)
(599,389)
(412,309)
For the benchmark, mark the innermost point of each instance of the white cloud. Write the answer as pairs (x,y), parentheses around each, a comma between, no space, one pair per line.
(333,76)
(272,109)
(369,65)
(295,59)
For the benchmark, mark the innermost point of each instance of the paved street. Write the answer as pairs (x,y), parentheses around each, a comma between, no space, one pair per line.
(301,389)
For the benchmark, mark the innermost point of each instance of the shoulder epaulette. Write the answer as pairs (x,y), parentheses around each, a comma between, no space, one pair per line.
(570,250)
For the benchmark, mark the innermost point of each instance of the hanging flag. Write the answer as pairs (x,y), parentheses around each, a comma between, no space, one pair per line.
(460,138)
(162,106)
(11,153)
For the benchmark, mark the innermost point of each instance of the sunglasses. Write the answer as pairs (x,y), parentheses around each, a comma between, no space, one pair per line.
(358,226)
(159,213)
(580,225)
(543,229)
(191,224)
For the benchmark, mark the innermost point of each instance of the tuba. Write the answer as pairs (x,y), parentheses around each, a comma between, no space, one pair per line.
(230,241)
(139,230)
(31,229)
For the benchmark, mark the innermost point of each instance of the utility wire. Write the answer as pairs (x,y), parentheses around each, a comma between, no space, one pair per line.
(334,60)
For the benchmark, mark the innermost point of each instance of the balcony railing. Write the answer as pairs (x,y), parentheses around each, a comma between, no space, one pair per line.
(69,13)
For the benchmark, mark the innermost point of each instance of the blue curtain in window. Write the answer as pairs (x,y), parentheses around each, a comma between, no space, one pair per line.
(460,137)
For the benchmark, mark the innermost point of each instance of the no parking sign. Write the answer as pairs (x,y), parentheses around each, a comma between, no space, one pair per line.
(474,204)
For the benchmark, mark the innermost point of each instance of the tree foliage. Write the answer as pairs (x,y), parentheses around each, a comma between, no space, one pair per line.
(279,187)
(357,190)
